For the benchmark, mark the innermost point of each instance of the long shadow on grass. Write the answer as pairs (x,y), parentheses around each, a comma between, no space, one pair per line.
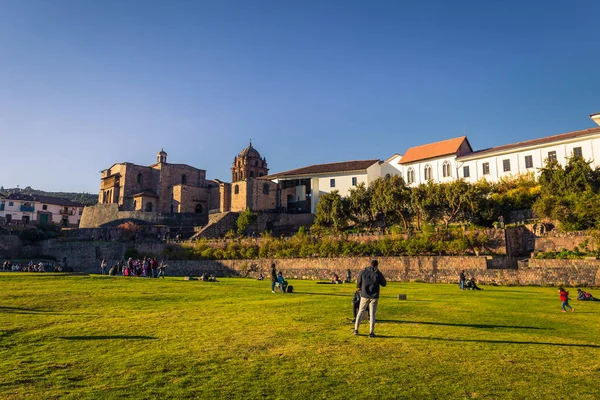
(21,310)
(326,294)
(113,337)
(484,326)
(593,346)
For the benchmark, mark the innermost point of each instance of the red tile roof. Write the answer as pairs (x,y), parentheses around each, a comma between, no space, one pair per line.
(534,142)
(433,150)
(318,169)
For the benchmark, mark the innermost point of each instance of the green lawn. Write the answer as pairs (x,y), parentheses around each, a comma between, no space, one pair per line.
(112,337)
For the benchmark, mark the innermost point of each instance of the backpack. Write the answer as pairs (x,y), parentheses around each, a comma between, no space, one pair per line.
(290,289)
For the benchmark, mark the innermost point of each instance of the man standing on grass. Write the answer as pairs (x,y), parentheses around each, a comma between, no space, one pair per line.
(273,277)
(462,280)
(369,281)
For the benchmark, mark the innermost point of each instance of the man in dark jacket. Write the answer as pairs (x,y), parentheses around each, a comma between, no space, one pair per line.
(273,277)
(369,281)
(462,280)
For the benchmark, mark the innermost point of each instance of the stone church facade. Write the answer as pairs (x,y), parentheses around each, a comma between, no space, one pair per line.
(161,187)
(248,188)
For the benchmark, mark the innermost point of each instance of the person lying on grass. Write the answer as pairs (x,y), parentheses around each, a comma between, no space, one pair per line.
(585,296)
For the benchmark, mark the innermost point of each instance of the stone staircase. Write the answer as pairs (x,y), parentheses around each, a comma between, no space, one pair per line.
(217,226)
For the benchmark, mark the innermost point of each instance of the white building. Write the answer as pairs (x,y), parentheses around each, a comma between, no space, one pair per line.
(303,186)
(17,208)
(452,159)
(433,161)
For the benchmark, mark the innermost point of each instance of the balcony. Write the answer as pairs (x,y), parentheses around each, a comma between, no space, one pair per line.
(110,182)
(26,208)
(67,212)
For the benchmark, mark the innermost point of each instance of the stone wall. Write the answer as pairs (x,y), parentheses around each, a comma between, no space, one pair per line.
(108,215)
(10,246)
(402,269)
(554,243)
(281,222)
(239,200)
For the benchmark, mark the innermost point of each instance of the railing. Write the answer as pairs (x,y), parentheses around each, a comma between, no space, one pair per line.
(67,212)
(28,208)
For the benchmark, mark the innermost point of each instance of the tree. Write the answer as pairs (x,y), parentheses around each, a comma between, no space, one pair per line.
(244,220)
(332,211)
(424,203)
(570,195)
(359,203)
(391,199)
(455,199)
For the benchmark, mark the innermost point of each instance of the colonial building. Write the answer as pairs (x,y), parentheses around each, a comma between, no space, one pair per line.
(161,187)
(246,190)
(455,159)
(301,188)
(23,209)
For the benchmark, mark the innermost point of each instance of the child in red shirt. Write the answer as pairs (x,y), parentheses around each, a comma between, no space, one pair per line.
(564,298)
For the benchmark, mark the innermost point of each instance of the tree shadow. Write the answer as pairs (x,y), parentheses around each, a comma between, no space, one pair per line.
(113,337)
(326,294)
(482,326)
(21,310)
(593,346)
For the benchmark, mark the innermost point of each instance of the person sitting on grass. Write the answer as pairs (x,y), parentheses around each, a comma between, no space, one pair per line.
(212,278)
(282,282)
(336,279)
(585,296)
(471,285)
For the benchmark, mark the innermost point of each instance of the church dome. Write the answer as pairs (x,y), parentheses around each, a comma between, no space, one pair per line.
(249,152)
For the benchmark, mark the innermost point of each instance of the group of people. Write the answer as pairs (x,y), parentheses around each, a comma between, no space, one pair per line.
(208,278)
(467,284)
(149,267)
(277,280)
(30,267)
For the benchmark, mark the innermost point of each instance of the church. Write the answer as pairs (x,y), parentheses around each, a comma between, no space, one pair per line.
(161,187)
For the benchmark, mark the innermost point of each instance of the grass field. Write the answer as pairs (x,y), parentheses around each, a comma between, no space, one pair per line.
(111,338)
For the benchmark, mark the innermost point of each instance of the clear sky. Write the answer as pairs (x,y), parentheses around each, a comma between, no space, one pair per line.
(86,84)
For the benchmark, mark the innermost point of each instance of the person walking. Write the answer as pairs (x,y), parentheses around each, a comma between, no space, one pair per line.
(369,281)
(462,280)
(161,269)
(273,277)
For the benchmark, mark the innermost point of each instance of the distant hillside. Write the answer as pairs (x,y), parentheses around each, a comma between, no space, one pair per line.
(85,198)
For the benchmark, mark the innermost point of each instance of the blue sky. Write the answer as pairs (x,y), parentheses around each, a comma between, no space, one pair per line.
(85,84)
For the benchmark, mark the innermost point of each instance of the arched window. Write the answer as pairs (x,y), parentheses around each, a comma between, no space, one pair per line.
(148,207)
(266,188)
(236,189)
(410,176)
(446,169)
(139,178)
(387,176)
(427,172)
(184,179)
(198,209)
